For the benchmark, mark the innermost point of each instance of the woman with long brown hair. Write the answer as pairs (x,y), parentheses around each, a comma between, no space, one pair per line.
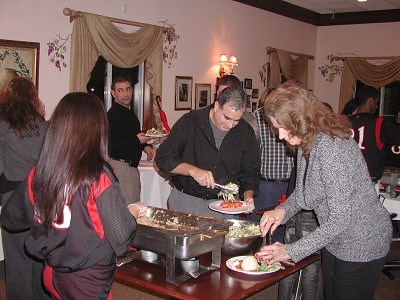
(354,230)
(74,205)
(22,130)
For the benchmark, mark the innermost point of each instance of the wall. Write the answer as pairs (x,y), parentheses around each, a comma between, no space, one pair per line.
(368,40)
(207,28)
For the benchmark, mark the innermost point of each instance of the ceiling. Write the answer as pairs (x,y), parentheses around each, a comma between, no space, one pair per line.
(345,6)
(332,12)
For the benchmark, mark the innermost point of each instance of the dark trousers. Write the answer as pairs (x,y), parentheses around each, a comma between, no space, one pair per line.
(270,193)
(350,280)
(23,274)
(296,228)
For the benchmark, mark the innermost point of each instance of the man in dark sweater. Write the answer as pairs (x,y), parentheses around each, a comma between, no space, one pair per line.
(127,141)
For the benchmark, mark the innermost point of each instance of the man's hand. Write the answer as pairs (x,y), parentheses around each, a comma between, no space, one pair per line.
(143,138)
(202,177)
(149,152)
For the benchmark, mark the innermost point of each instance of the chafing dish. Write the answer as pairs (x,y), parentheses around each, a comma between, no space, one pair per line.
(177,235)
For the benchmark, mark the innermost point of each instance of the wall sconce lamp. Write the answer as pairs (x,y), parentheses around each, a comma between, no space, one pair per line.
(225,66)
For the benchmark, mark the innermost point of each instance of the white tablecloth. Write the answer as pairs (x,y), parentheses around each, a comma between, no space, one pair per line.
(155,189)
(392,205)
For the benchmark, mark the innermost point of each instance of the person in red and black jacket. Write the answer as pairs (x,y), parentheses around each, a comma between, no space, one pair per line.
(372,132)
(73,205)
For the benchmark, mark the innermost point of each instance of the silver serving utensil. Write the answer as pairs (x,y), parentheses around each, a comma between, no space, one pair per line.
(226,189)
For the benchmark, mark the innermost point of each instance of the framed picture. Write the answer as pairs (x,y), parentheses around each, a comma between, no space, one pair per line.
(202,95)
(254,105)
(183,92)
(248,102)
(248,83)
(254,93)
(19,58)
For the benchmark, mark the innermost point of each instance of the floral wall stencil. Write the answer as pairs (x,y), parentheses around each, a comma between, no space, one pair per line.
(56,49)
(263,73)
(334,66)
(170,42)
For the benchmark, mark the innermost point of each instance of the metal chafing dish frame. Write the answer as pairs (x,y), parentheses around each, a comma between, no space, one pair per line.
(183,244)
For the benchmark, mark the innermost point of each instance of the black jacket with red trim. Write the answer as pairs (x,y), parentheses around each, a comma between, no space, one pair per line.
(101,226)
(371,133)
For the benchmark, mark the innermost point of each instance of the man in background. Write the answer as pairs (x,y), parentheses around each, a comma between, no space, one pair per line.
(372,132)
(233,81)
(392,152)
(276,167)
(127,141)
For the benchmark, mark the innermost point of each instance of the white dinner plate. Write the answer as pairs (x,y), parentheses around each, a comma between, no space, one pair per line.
(216,205)
(234,264)
(155,136)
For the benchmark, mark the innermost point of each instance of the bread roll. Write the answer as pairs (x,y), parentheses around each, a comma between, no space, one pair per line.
(249,263)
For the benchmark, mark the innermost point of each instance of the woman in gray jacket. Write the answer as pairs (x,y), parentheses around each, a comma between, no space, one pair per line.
(332,179)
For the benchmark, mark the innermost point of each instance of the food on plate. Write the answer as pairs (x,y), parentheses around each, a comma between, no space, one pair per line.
(249,263)
(229,195)
(244,230)
(231,204)
(155,132)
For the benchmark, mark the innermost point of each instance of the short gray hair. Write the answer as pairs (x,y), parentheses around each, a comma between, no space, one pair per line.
(234,97)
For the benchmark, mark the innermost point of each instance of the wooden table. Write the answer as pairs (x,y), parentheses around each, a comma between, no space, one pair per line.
(222,283)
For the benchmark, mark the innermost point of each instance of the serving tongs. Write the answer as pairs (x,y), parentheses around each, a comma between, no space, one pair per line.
(227,189)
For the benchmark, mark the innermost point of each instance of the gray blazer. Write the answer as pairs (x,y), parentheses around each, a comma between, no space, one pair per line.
(354,225)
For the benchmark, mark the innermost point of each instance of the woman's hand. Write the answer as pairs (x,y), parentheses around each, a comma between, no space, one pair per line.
(273,253)
(137,209)
(271,219)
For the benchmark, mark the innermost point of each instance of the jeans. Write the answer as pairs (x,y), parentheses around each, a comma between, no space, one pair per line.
(296,228)
(270,193)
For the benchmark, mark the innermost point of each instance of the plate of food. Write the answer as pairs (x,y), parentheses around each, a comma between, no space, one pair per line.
(232,207)
(156,133)
(248,264)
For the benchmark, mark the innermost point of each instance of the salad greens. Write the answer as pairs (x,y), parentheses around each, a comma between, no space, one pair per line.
(244,230)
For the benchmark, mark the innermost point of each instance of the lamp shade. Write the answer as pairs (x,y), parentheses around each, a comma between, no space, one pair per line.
(223,58)
(233,60)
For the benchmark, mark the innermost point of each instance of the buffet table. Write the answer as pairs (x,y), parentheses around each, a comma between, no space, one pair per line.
(155,189)
(222,283)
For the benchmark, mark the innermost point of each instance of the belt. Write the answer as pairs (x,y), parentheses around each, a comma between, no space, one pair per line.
(129,162)
(275,180)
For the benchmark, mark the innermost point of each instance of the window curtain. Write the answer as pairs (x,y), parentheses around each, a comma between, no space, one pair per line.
(93,35)
(293,69)
(359,68)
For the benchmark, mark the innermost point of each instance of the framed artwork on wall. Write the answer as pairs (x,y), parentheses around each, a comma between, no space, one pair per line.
(19,58)
(248,102)
(183,92)
(248,83)
(202,95)
(254,105)
(254,93)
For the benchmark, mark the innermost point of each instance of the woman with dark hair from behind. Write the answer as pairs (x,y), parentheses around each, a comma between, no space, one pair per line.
(22,131)
(332,179)
(74,205)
